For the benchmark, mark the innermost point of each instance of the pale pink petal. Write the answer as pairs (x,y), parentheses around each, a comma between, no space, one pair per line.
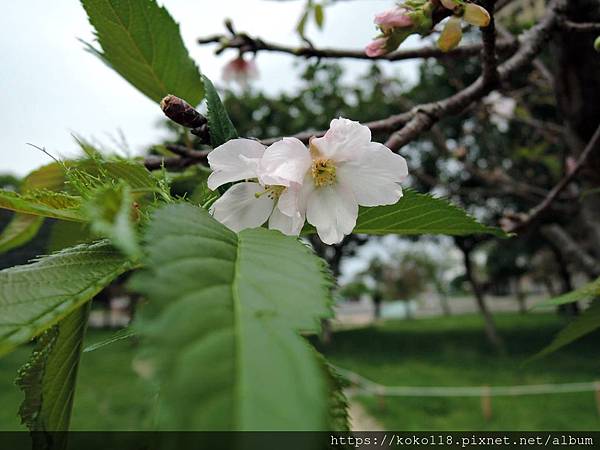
(376,47)
(394,18)
(333,211)
(284,162)
(289,202)
(375,176)
(239,208)
(290,226)
(235,160)
(344,140)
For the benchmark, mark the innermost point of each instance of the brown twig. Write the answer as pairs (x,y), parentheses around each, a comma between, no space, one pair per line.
(246,43)
(592,146)
(580,26)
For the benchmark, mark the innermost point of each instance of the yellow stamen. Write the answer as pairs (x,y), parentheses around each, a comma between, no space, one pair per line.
(323,172)
(273,192)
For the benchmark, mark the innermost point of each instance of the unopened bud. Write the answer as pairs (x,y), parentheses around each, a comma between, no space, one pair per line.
(449,4)
(597,44)
(393,18)
(451,35)
(181,112)
(476,15)
(376,47)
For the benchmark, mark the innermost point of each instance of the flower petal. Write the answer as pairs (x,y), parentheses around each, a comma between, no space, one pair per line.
(235,160)
(333,211)
(284,162)
(343,141)
(290,226)
(239,208)
(375,176)
(289,201)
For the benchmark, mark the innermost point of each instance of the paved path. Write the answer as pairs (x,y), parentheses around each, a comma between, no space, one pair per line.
(361,420)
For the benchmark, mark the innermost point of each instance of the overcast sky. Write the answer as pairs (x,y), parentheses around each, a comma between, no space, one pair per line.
(51,88)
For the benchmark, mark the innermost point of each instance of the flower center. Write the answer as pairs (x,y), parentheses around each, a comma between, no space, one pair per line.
(273,192)
(323,172)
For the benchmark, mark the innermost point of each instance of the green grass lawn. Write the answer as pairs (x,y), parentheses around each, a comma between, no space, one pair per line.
(453,352)
(432,352)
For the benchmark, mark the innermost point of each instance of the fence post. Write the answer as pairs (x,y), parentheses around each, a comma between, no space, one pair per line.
(598,396)
(486,403)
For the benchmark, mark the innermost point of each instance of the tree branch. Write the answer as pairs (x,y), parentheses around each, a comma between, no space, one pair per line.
(592,146)
(246,43)
(424,116)
(571,250)
(580,26)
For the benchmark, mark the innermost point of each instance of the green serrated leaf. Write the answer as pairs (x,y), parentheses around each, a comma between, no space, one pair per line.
(48,380)
(586,323)
(221,327)
(36,296)
(417,214)
(50,177)
(20,230)
(220,127)
(110,211)
(585,292)
(55,205)
(133,173)
(24,227)
(142,42)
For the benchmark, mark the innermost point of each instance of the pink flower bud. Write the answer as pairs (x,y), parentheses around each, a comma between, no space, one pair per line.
(393,18)
(476,15)
(376,47)
(240,70)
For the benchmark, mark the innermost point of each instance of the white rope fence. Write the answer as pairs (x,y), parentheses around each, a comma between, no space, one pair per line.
(367,386)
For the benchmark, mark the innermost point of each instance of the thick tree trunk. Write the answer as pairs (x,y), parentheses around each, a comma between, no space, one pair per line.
(521,296)
(377,307)
(445,304)
(577,85)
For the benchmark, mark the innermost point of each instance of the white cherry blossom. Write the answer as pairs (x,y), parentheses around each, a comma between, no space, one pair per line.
(251,203)
(337,173)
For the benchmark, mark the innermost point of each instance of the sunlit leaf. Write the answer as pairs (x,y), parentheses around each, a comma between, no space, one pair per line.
(36,296)
(142,42)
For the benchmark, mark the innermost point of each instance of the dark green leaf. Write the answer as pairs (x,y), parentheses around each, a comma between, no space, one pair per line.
(24,227)
(221,325)
(43,203)
(587,322)
(417,214)
(36,296)
(219,124)
(141,41)
(48,380)
(585,292)
(20,230)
